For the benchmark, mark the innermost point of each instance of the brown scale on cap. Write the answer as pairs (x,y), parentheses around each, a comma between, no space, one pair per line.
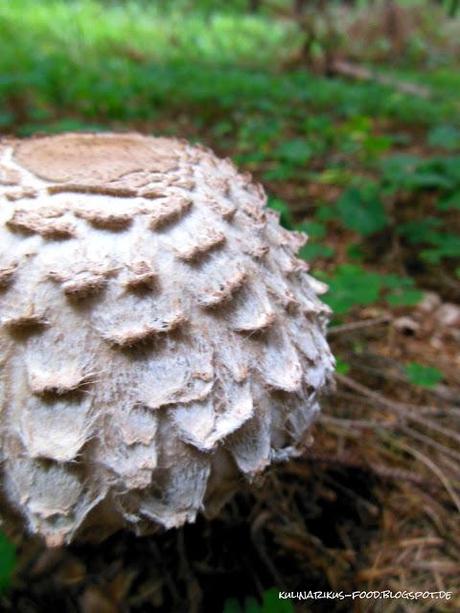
(225,290)
(137,333)
(9,176)
(140,275)
(7,274)
(200,244)
(45,221)
(168,211)
(168,322)
(83,281)
(46,383)
(26,320)
(88,158)
(109,220)
(21,194)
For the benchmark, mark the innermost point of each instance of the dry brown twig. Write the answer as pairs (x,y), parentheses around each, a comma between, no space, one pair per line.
(358,325)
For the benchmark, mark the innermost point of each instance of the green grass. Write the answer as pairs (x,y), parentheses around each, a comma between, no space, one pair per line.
(7,561)
(129,61)
(147,31)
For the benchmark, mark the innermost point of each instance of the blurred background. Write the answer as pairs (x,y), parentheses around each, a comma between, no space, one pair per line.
(348,111)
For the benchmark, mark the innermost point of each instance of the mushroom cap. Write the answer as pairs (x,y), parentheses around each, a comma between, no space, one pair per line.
(158,337)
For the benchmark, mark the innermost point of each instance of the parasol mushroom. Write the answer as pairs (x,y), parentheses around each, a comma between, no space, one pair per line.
(159,339)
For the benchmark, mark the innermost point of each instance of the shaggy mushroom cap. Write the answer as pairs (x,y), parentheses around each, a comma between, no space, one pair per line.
(159,339)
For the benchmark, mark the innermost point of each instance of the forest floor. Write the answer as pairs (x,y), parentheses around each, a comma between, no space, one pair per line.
(371,171)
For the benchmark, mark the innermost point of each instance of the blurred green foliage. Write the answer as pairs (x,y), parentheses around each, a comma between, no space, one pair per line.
(129,60)
(7,561)
(361,210)
(271,603)
(423,376)
(352,285)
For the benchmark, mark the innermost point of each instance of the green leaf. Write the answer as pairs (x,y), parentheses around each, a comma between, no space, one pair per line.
(358,125)
(342,367)
(439,172)
(315,229)
(325,212)
(421,231)
(450,166)
(444,136)
(423,376)
(426,179)
(401,291)
(447,246)
(312,250)
(335,176)
(283,209)
(296,151)
(362,211)
(281,172)
(7,561)
(376,145)
(397,168)
(352,286)
(404,297)
(425,232)
(412,173)
(271,603)
(452,201)
(355,252)
(221,128)
(6,118)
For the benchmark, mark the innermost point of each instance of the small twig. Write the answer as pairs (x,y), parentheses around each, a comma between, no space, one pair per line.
(258,540)
(434,468)
(361,73)
(431,442)
(447,395)
(428,423)
(385,472)
(358,325)
(372,509)
(453,412)
(355,423)
(406,410)
(194,592)
(169,581)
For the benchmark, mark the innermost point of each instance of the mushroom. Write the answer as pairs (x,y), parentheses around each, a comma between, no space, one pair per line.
(159,338)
